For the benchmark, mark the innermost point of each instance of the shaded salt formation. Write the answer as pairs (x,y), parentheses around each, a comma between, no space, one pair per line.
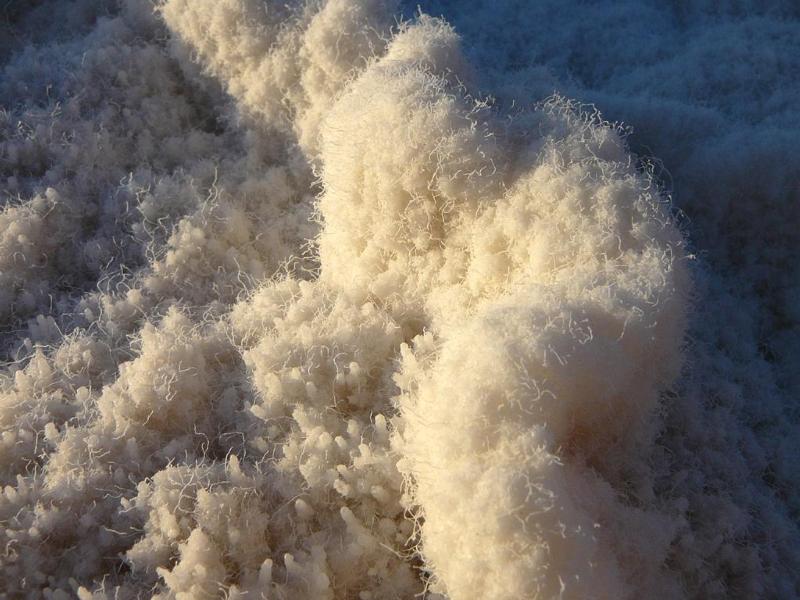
(352,330)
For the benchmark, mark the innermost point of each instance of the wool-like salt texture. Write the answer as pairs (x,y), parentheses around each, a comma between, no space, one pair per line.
(375,299)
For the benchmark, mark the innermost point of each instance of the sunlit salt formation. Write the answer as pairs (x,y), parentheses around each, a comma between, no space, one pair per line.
(376,336)
(555,290)
(552,273)
(541,401)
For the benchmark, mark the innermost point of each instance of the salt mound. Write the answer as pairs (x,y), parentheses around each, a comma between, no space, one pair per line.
(293,310)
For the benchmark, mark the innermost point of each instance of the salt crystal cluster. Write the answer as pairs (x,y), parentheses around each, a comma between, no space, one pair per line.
(292,308)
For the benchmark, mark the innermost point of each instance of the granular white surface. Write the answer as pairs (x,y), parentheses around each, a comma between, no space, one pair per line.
(364,299)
